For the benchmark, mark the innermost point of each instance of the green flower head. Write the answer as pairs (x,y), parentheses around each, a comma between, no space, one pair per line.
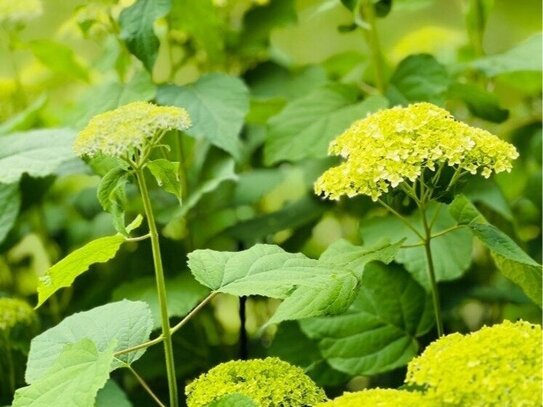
(19,11)
(396,145)
(269,382)
(379,398)
(495,366)
(15,312)
(128,129)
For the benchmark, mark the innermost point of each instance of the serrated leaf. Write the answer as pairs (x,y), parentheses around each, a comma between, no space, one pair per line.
(37,153)
(63,273)
(449,264)
(111,395)
(418,78)
(183,294)
(305,127)
(166,174)
(378,332)
(308,287)
(524,57)
(10,202)
(59,58)
(125,323)
(112,196)
(74,377)
(137,31)
(217,104)
(510,259)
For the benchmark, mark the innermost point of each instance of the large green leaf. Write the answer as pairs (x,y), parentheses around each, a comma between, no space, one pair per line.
(63,273)
(137,30)
(480,102)
(217,104)
(10,201)
(166,174)
(112,395)
(59,58)
(510,259)
(378,333)
(524,57)
(183,294)
(72,379)
(308,287)
(124,323)
(305,127)
(418,78)
(37,153)
(449,264)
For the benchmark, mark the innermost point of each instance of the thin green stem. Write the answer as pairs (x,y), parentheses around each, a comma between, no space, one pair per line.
(402,218)
(431,271)
(138,238)
(372,37)
(161,288)
(9,360)
(443,232)
(145,386)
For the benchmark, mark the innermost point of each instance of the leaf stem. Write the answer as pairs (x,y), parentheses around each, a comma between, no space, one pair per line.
(161,288)
(372,38)
(443,232)
(402,218)
(145,386)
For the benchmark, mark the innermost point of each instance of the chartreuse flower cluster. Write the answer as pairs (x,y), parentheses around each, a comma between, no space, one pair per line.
(129,129)
(380,398)
(396,145)
(19,11)
(15,312)
(269,382)
(495,366)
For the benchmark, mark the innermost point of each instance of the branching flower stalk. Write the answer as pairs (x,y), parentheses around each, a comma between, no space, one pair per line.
(408,148)
(131,133)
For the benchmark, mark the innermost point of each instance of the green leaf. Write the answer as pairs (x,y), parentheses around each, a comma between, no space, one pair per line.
(10,202)
(479,101)
(24,120)
(137,30)
(292,216)
(233,400)
(378,333)
(183,294)
(524,57)
(111,194)
(74,377)
(418,78)
(510,259)
(112,395)
(449,264)
(37,153)
(63,273)
(308,287)
(166,174)
(124,324)
(305,127)
(217,104)
(59,58)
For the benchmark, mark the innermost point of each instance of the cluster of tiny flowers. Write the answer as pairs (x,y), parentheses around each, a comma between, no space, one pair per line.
(119,132)
(15,312)
(495,366)
(19,11)
(398,144)
(268,382)
(379,398)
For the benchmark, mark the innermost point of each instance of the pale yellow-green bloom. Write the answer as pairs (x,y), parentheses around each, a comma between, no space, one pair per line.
(396,145)
(496,366)
(19,11)
(379,398)
(15,312)
(268,382)
(128,129)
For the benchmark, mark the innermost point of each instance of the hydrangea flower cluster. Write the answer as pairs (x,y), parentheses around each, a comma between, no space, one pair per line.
(128,128)
(19,11)
(269,382)
(15,312)
(495,366)
(396,145)
(379,398)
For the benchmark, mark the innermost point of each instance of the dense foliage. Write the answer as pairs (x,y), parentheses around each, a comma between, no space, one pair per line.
(169,205)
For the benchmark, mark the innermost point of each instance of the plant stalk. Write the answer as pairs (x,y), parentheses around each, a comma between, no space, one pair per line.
(161,288)
(372,39)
